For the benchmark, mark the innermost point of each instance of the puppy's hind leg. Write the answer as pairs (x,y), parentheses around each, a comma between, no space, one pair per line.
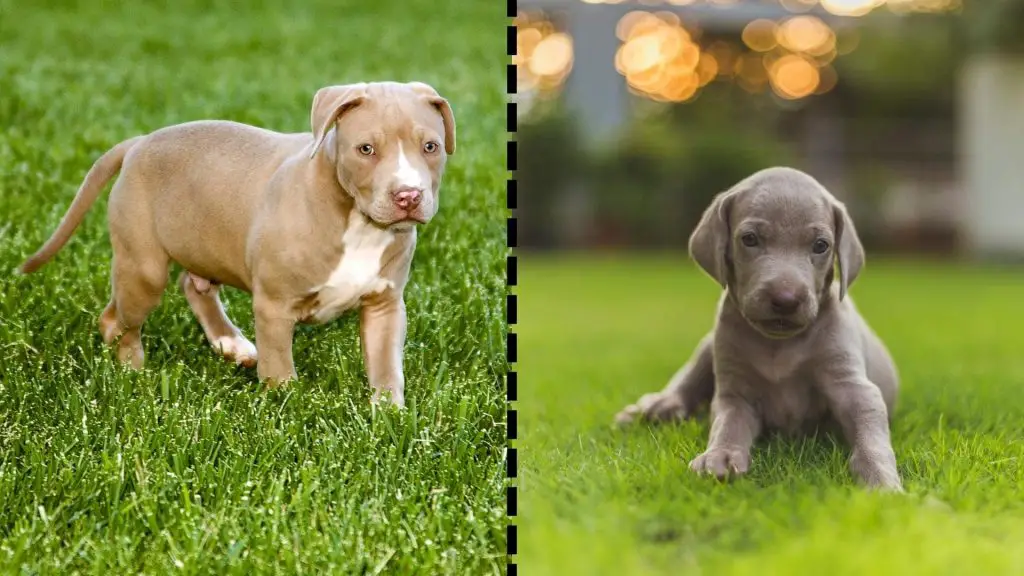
(138,281)
(690,388)
(224,336)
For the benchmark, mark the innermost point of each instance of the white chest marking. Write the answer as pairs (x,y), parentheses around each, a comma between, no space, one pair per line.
(357,273)
(405,174)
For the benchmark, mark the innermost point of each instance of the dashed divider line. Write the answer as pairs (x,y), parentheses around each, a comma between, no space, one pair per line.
(512,155)
(513,423)
(512,387)
(511,113)
(511,313)
(511,195)
(511,271)
(511,499)
(511,301)
(512,463)
(513,232)
(512,347)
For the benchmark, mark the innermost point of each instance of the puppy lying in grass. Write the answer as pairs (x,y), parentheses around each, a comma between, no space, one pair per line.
(789,351)
(312,224)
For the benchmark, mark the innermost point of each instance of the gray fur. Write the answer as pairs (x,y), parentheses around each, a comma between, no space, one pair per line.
(789,351)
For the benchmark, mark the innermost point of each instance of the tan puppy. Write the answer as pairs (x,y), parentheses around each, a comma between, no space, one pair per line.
(312,225)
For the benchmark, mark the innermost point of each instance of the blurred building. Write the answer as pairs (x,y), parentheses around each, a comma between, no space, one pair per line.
(937,164)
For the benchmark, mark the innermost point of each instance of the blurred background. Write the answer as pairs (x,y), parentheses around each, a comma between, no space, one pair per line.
(633,114)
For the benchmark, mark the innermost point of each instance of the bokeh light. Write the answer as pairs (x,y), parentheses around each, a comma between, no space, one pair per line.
(659,58)
(663,60)
(552,56)
(806,34)
(666,59)
(851,7)
(793,77)
(760,35)
(544,56)
(837,7)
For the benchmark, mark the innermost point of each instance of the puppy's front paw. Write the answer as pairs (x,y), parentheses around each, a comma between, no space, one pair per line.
(237,349)
(876,469)
(722,463)
(656,407)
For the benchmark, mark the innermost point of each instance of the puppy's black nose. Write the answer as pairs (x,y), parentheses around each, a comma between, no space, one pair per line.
(785,302)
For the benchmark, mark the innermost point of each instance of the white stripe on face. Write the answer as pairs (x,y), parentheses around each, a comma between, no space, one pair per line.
(406,175)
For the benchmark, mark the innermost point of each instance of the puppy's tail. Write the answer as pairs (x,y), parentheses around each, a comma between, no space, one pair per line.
(101,172)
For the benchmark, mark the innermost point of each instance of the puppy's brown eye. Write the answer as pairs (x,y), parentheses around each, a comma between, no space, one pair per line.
(749,239)
(430,147)
(366,150)
(820,247)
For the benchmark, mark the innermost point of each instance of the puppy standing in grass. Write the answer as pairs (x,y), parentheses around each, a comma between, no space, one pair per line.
(789,350)
(311,224)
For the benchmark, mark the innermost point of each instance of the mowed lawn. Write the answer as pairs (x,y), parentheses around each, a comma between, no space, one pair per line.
(188,467)
(599,331)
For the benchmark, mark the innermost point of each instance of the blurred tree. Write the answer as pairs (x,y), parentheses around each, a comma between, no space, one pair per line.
(549,160)
(995,26)
(888,75)
(651,187)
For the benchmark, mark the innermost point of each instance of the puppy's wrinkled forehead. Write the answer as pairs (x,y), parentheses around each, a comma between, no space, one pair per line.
(394,108)
(789,200)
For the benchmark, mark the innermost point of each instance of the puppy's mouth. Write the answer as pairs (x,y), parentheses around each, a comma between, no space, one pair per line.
(406,222)
(778,327)
(401,222)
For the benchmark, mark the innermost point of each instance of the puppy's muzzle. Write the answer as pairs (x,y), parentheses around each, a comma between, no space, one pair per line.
(785,302)
(406,207)
(407,197)
(784,312)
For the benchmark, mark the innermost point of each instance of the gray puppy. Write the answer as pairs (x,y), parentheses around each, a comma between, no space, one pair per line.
(789,351)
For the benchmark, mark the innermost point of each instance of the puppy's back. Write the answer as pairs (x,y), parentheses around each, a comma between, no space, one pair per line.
(198,186)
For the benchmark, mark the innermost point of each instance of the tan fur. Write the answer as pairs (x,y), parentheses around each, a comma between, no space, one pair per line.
(268,213)
(814,362)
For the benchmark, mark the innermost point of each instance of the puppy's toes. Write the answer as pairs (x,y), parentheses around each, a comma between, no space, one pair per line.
(876,470)
(238,349)
(722,463)
(656,407)
(628,415)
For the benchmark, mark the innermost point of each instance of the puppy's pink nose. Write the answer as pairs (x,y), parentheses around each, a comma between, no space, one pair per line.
(407,197)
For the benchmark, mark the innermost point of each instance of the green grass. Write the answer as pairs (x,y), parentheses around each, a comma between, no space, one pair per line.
(596,332)
(187,467)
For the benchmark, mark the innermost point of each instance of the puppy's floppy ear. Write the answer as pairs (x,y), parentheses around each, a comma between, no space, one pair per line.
(445,109)
(328,105)
(709,243)
(849,251)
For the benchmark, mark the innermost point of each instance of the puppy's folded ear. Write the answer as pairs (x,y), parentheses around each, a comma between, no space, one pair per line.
(849,250)
(709,243)
(444,108)
(328,105)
